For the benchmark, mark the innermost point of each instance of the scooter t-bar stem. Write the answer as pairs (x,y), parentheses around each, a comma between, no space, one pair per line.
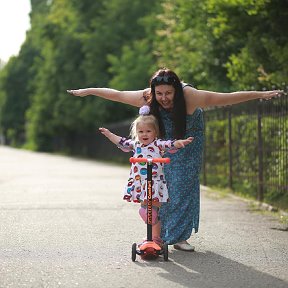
(149,162)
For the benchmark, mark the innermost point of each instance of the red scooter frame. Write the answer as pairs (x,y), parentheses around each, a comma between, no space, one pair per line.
(149,249)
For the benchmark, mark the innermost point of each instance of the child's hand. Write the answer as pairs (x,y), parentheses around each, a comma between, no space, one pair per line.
(104,131)
(181,143)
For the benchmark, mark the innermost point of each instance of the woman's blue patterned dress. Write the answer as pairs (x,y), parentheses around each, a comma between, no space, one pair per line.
(181,215)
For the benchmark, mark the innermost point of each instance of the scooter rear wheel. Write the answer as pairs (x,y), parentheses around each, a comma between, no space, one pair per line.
(165,251)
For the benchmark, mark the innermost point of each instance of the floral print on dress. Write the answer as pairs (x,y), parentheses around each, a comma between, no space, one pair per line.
(135,190)
(180,216)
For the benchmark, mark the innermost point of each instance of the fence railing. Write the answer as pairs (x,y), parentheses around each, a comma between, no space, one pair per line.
(95,145)
(246,149)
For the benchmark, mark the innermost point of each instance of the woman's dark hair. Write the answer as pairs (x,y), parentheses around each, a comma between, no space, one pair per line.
(165,76)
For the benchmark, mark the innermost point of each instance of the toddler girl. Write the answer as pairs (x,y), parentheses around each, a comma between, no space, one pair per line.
(145,144)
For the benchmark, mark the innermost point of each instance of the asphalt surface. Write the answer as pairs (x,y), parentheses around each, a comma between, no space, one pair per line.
(63,223)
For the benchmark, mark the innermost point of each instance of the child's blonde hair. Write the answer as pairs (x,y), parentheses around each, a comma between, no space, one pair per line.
(145,119)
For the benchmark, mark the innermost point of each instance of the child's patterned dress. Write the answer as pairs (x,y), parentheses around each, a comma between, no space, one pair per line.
(135,190)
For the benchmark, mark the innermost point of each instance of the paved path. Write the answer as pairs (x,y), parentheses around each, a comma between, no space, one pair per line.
(63,224)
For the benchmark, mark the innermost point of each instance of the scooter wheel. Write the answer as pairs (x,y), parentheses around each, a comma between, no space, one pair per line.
(134,247)
(165,251)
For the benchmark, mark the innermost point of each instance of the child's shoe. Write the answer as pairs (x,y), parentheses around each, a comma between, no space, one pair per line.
(158,241)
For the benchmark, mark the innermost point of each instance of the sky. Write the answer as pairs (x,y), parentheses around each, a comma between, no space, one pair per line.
(14,22)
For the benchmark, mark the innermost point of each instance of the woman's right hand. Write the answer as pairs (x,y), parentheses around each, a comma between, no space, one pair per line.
(78,92)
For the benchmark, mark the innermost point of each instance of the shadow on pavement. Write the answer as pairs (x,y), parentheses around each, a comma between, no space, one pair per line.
(210,270)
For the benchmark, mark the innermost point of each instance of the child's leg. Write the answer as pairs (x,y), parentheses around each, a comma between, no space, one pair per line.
(143,213)
(156,230)
(156,224)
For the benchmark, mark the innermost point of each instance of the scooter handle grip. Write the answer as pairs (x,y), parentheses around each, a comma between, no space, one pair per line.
(154,160)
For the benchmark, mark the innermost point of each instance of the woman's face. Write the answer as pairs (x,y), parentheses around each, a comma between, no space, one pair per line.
(165,95)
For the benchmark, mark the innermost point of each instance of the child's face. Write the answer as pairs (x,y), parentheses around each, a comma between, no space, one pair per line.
(146,133)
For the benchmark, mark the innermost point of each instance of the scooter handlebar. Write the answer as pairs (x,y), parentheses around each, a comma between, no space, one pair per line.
(154,160)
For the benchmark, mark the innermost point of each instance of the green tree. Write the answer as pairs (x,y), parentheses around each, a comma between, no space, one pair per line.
(132,69)
(254,34)
(16,91)
(71,59)
(50,113)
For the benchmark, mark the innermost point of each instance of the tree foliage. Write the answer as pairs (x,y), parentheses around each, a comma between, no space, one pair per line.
(213,44)
(220,45)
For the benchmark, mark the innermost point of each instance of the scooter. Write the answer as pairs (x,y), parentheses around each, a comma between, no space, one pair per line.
(149,249)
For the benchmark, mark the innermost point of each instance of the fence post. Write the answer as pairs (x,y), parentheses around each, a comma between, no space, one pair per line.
(260,192)
(230,148)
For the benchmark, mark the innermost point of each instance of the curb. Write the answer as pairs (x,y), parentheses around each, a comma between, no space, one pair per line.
(262,205)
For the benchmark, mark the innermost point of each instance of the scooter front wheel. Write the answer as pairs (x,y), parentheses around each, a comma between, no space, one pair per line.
(134,248)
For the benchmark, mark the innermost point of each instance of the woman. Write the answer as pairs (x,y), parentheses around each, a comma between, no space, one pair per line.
(178,108)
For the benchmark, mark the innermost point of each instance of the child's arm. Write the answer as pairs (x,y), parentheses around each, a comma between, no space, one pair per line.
(181,143)
(126,145)
(111,136)
(173,145)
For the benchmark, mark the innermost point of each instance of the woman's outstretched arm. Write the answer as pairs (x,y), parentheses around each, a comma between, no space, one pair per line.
(133,98)
(201,98)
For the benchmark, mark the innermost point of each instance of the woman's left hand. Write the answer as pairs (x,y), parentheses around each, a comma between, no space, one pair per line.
(267,95)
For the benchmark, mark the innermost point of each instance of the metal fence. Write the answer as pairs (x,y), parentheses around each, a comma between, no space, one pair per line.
(95,145)
(246,149)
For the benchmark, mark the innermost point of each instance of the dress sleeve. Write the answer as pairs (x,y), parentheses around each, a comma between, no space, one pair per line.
(126,145)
